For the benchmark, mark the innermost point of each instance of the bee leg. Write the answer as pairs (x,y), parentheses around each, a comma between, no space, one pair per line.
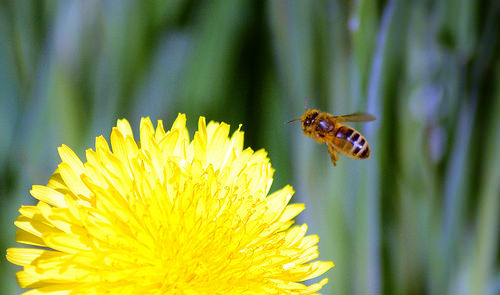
(333,154)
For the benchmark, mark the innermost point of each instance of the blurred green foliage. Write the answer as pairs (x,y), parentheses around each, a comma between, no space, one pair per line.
(420,217)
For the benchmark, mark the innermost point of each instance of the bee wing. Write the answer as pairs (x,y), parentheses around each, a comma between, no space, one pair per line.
(356,117)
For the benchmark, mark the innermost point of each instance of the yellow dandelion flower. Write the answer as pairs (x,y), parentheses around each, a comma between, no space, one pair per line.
(168,216)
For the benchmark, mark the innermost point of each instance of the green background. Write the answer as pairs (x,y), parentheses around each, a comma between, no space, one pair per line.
(421,216)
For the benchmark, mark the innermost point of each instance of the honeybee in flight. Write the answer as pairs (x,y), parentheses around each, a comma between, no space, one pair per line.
(326,128)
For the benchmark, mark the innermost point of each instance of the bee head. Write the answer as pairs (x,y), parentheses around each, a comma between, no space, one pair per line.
(309,118)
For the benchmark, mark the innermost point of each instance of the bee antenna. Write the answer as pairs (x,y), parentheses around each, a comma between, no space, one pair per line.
(292,120)
(305,103)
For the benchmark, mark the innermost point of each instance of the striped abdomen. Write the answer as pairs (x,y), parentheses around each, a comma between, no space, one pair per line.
(351,143)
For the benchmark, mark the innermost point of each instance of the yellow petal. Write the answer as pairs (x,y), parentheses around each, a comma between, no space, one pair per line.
(48,195)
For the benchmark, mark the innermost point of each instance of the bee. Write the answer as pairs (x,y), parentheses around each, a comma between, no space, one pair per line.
(326,128)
